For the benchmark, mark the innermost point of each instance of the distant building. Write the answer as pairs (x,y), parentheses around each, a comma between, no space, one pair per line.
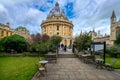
(114,28)
(5,30)
(57,23)
(114,31)
(22,31)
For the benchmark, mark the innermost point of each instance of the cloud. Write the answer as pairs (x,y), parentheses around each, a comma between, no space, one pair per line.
(21,13)
(4,16)
(13,2)
(85,14)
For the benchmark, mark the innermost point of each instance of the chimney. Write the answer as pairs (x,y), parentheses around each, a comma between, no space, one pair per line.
(8,24)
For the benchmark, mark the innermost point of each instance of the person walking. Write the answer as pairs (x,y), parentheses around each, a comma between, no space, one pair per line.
(65,48)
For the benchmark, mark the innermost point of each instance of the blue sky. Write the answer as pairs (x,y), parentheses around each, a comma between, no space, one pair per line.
(85,14)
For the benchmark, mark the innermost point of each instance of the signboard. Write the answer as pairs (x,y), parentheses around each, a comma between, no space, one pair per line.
(98,47)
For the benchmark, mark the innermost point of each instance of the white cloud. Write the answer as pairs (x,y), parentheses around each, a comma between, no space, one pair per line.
(2,8)
(88,14)
(12,2)
(4,15)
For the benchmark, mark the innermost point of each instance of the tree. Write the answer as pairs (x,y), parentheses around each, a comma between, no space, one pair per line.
(117,41)
(54,41)
(45,38)
(38,37)
(14,42)
(44,43)
(83,41)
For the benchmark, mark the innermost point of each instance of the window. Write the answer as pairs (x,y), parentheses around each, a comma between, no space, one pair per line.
(7,33)
(57,33)
(10,33)
(45,29)
(64,34)
(2,33)
(57,27)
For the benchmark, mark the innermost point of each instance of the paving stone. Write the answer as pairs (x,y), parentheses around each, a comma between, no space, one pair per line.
(74,69)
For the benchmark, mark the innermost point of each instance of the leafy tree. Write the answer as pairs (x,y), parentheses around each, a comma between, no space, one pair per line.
(117,42)
(45,38)
(14,42)
(38,37)
(53,43)
(113,51)
(83,41)
(42,47)
(44,43)
(56,39)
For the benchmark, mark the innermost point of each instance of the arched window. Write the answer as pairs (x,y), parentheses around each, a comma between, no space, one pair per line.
(57,27)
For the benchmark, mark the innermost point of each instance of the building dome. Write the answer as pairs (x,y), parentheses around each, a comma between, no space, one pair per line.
(56,11)
(57,23)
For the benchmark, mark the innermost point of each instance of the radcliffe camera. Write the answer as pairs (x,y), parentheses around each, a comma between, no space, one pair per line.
(59,40)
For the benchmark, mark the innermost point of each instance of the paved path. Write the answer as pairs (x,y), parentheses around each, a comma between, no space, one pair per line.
(75,69)
(67,52)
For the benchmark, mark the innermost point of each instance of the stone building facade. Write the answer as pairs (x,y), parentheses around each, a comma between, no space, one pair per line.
(5,30)
(57,23)
(114,27)
(22,31)
(114,31)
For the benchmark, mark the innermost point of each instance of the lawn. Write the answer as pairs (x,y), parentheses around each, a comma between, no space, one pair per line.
(116,65)
(17,68)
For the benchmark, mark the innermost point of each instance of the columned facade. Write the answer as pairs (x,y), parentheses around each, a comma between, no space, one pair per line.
(5,30)
(57,23)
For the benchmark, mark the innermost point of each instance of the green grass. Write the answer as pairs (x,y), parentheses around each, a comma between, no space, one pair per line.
(116,65)
(17,68)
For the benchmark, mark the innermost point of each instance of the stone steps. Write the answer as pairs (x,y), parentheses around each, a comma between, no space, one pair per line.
(66,56)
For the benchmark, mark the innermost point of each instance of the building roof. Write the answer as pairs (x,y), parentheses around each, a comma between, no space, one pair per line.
(20,27)
(2,24)
(113,15)
(56,11)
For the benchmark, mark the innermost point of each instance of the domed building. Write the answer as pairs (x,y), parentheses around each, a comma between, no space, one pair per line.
(57,23)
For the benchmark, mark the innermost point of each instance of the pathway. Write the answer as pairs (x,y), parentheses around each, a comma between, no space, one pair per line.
(75,69)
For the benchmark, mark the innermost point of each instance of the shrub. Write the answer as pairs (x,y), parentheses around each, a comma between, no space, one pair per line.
(26,53)
(113,51)
(83,41)
(54,42)
(14,42)
(117,41)
(44,44)
(42,47)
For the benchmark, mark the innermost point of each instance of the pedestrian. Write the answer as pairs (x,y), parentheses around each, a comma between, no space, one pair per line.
(65,48)
(73,48)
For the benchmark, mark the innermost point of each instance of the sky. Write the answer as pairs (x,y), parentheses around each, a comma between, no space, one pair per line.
(85,15)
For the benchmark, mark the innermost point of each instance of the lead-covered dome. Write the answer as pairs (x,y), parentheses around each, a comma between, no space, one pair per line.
(56,11)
